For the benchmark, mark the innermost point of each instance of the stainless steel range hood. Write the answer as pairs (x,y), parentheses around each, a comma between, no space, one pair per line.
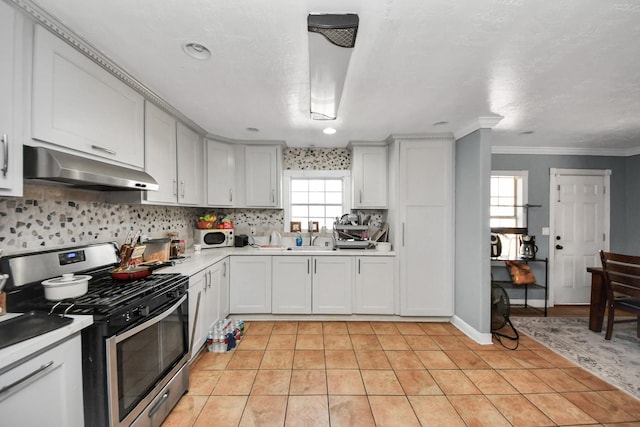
(49,165)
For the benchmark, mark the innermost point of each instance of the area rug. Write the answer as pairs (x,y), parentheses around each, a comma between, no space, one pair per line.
(616,361)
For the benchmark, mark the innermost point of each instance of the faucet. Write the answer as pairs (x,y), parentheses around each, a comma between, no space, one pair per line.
(312,238)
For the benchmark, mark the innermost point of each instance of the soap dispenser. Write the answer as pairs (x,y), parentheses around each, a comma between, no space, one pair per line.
(299,240)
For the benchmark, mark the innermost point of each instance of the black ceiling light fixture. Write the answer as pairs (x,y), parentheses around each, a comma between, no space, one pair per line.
(331,40)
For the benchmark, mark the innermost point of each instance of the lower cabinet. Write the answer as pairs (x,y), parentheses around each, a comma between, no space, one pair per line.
(250,284)
(374,285)
(208,301)
(45,390)
(318,285)
(332,285)
(291,287)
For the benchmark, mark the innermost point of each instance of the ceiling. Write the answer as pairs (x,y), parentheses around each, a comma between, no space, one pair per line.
(567,70)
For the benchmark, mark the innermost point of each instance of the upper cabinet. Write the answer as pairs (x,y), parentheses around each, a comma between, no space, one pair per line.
(11,95)
(79,105)
(221,174)
(174,158)
(369,176)
(262,176)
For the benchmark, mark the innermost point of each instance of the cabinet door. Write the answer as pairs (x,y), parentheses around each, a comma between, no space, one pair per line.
(190,163)
(250,286)
(291,285)
(374,285)
(10,101)
(51,391)
(160,139)
(332,284)
(197,331)
(79,105)
(262,176)
(426,240)
(370,177)
(212,296)
(224,289)
(220,174)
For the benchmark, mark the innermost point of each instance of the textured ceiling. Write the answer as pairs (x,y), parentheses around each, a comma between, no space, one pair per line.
(568,70)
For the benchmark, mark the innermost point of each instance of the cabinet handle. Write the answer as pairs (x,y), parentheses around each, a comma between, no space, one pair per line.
(315,266)
(358,266)
(308,266)
(360,196)
(231,195)
(157,406)
(175,187)
(5,151)
(273,196)
(403,234)
(104,149)
(224,271)
(6,388)
(210,280)
(182,187)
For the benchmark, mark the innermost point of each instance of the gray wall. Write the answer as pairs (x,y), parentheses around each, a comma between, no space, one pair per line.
(632,234)
(472,268)
(538,167)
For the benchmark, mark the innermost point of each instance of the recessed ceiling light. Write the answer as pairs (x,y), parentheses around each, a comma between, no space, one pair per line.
(440,123)
(527,132)
(328,131)
(253,129)
(197,51)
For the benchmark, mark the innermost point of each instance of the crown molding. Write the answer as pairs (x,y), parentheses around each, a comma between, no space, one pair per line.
(482,122)
(40,16)
(418,136)
(566,151)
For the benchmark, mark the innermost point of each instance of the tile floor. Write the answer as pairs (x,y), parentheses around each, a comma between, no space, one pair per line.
(392,374)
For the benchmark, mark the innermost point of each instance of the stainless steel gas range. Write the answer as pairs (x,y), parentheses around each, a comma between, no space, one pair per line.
(134,356)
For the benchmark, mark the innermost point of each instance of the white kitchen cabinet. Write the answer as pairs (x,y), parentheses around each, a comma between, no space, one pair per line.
(190,162)
(221,174)
(374,285)
(11,95)
(174,158)
(424,227)
(250,284)
(161,155)
(46,390)
(262,176)
(197,331)
(369,176)
(211,291)
(224,288)
(332,284)
(291,287)
(78,105)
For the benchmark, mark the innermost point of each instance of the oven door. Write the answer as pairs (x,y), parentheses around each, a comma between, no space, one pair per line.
(143,359)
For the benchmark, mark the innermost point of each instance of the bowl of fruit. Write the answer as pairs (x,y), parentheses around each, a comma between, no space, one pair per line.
(206,222)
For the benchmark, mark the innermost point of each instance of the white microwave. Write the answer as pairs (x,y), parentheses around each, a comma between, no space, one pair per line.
(214,238)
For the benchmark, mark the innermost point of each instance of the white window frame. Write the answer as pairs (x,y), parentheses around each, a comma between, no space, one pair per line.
(524,175)
(290,174)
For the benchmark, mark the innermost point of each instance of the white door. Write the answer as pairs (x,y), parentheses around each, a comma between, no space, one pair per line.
(580,219)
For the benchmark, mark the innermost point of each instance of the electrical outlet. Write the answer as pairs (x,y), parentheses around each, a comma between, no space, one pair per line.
(253,231)
(545,231)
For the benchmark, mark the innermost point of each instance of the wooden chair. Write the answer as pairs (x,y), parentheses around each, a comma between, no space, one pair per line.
(622,280)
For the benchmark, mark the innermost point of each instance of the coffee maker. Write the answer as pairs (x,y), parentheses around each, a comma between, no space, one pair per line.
(528,247)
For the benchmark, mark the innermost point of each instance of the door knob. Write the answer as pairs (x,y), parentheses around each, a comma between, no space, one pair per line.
(559,247)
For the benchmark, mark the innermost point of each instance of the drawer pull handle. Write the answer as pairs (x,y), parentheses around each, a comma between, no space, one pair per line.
(26,377)
(106,150)
(5,150)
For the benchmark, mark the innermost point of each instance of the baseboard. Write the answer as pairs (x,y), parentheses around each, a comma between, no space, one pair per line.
(471,332)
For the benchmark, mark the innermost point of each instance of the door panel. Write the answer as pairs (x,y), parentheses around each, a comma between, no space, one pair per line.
(579,235)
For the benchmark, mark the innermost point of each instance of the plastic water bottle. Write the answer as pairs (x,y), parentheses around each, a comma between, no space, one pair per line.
(210,346)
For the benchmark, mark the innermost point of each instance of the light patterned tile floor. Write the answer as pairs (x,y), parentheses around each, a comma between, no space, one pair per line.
(391,374)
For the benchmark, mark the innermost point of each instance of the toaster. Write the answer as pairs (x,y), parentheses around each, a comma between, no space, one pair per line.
(241,240)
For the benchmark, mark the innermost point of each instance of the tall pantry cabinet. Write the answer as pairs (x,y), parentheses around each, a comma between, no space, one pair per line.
(422,218)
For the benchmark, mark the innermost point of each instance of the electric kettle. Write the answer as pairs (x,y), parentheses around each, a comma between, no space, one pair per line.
(528,247)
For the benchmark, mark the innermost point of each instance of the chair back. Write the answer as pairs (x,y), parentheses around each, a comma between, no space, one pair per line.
(621,274)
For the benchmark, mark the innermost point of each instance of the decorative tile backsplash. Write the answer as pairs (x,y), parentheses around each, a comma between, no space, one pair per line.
(317,158)
(50,217)
(58,216)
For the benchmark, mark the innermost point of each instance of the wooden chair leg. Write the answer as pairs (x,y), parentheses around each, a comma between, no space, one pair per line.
(610,313)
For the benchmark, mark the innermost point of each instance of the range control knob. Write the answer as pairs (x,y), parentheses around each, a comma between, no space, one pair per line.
(142,310)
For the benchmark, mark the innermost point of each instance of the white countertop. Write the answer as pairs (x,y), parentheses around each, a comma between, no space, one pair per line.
(34,345)
(198,261)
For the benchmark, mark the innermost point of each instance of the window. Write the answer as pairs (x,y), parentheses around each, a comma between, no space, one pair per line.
(315,195)
(508,208)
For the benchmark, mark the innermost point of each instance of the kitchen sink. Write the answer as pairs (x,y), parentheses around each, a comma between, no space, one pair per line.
(29,325)
(311,248)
